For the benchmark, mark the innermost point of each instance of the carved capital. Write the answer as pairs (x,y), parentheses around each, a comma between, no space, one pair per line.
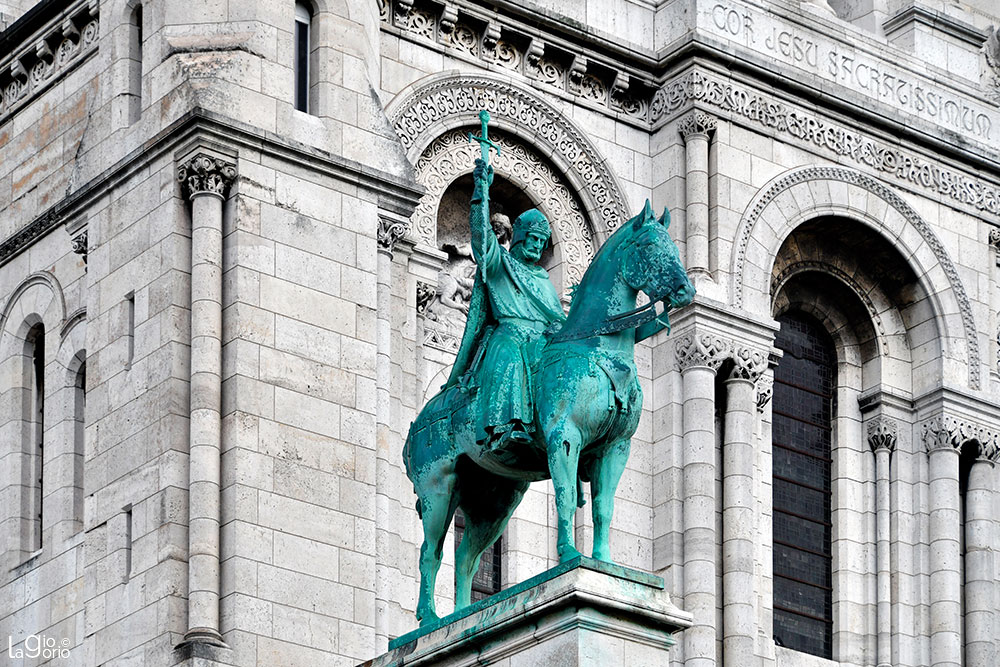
(750,363)
(701,350)
(765,390)
(80,245)
(882,433)
(696,124)
(944,431)
(205,174)
(390,230)
(425,293)
(995,243)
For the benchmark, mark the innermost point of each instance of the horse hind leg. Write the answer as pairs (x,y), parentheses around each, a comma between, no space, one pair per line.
(564,444)
(488,501)
(437,505)
(605,473)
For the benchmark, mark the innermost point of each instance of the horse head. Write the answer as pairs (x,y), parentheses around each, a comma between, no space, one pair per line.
(651,262)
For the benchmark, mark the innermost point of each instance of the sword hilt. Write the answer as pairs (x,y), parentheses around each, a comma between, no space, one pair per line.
(484,141)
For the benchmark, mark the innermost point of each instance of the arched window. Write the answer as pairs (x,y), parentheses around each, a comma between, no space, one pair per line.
(302,48)
(803,411)
(135,65)
(79,411)
(34,421)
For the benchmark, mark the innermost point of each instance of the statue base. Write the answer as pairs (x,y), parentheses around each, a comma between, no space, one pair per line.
(581,613)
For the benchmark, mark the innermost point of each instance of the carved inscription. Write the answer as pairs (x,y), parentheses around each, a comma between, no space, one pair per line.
(847,67)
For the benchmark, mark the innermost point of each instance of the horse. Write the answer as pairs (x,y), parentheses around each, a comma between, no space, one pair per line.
(587,407)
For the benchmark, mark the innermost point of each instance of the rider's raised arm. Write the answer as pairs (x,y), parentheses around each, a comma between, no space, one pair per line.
(485,247)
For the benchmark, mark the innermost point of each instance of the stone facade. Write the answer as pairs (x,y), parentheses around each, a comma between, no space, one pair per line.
(214,330)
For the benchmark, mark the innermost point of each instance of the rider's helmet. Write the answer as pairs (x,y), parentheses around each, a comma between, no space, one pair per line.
(531,220)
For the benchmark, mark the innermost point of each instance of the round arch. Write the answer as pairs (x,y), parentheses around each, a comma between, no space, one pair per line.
(797,196)
(39,298)
(428,108)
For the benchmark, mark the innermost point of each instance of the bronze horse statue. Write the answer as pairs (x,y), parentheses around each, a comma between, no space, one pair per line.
(587,407)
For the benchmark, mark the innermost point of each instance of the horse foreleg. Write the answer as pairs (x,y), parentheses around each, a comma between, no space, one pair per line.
(437,506)
(605,473)
(564,445)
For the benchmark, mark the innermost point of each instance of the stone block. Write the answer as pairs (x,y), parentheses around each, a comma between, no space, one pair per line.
(583,612)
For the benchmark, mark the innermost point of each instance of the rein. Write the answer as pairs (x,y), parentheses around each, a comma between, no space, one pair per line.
(628,320)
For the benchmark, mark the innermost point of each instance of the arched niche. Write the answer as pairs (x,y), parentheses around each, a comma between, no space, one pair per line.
(829,193)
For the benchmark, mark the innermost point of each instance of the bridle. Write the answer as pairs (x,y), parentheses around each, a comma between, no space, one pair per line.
(628,320)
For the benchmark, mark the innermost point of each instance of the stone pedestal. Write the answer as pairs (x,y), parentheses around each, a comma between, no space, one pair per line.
(581,613)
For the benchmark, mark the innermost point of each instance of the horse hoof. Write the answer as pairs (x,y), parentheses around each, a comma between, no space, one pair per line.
(424,619)
(566,555)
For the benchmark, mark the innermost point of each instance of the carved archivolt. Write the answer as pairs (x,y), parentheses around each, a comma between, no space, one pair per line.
(764,200)
(451,100)
(451,155)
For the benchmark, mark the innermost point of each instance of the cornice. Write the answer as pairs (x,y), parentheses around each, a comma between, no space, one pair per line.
(392,193)
(950,26)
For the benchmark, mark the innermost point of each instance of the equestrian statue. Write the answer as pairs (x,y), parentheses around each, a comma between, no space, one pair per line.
(536,393)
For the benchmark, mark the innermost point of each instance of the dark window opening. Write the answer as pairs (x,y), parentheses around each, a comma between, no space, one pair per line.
(36,341)
(303,20)
(486,581)
(802,428)
(135,66)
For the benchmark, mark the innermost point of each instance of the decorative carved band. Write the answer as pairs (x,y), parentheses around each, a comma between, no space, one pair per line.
(390,230)
(942,432)
(437,106)
(27,234)
(33,66)
(696,123)
(809,128)
(886,194)
(701,350)
(206,174)
(882,432)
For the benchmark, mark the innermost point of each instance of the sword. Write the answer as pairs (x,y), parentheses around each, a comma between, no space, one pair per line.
(484,141)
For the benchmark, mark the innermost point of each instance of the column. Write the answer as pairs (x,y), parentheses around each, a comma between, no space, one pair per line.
(205,179)
(994,240)
(739,531)
(765,523)
(942,443)
(695,129)
(882,439)
(390,230)
(980,543)
(698,358)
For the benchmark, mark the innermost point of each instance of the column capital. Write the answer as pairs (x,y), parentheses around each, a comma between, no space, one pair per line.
(696,124)
(750,363)
(206,174)
(765,390)
(995,243)
(390,230)
(943,431)
(882,433)
(702,349)
(425,293)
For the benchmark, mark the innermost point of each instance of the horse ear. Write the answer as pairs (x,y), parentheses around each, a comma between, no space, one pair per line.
(647,213)
(635,269)
(665,218)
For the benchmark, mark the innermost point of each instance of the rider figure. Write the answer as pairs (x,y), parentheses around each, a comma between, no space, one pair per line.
(519,303)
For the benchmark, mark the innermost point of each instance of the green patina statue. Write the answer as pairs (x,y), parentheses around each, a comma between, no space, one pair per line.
(535,393)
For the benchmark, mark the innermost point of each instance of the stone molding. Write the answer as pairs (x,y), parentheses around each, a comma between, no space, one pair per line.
(29,69)
(703,349)
(28,234)
(882,433)
(491,39)
(944,431)
(452,155)
(390,231)
(765,391)
(849,280)
(206,174)
(698,87)
(445,102)
(696,124)
(750,365)
(831,173)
